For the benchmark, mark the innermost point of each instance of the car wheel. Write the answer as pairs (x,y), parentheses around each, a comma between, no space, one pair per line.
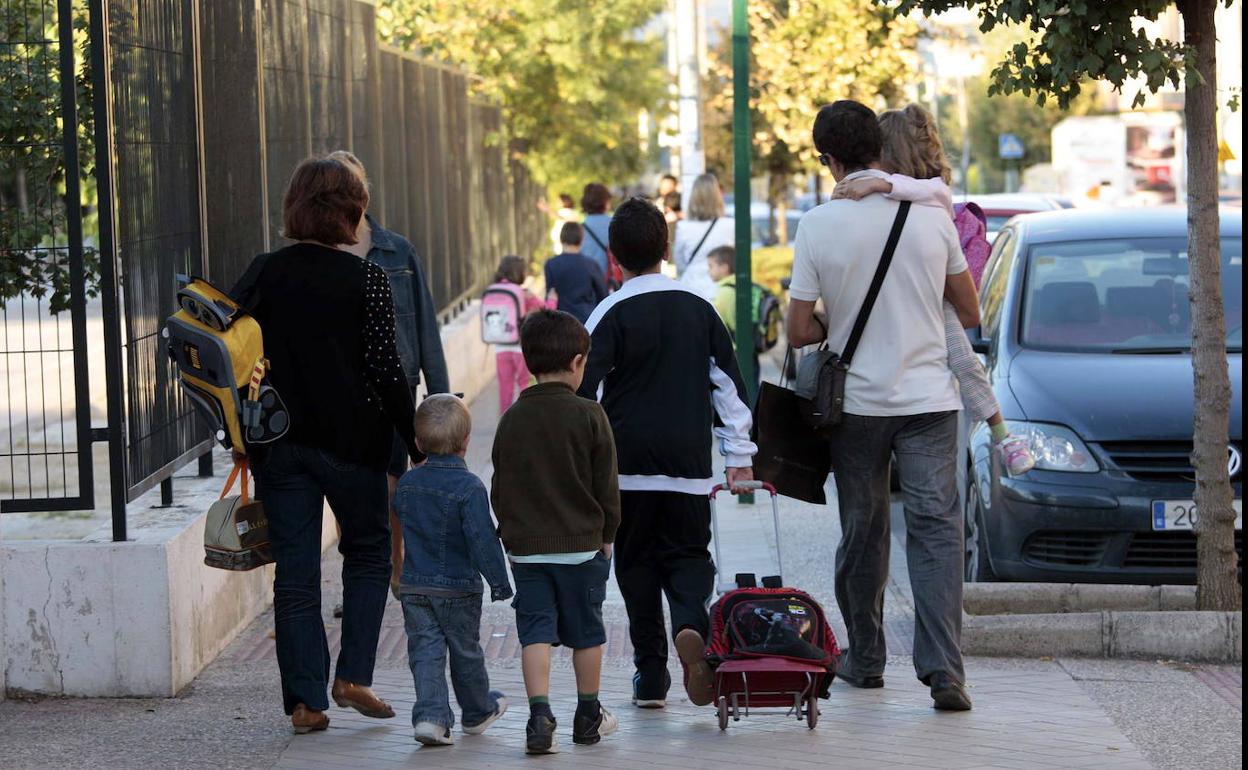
(978,566)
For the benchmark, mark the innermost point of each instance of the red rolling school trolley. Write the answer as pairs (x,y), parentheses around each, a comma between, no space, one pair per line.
(772,646)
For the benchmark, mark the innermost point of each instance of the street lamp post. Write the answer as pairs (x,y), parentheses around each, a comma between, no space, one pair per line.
(741,194)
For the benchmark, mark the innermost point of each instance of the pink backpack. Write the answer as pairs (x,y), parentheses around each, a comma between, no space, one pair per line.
(972,228)
(502,309)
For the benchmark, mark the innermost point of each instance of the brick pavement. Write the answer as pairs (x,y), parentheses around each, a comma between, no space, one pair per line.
(1029,716)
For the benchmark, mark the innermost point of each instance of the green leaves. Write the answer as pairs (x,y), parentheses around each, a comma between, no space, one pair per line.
(571,77)
(806,54)
(1076,41)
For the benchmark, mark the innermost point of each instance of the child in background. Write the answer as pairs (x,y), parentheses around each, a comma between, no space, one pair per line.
(558,504)
(449,543)
(722,265)
(513,376)
(920,172)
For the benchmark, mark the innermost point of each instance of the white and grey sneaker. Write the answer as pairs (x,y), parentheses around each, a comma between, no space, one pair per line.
(499,710)
(430,734)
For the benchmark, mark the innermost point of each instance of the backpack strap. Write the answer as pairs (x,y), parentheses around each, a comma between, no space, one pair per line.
(864,313)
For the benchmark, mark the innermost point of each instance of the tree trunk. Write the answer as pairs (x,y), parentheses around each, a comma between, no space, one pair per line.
(1216,561)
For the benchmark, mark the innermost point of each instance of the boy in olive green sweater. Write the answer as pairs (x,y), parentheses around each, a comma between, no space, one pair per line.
(556,495)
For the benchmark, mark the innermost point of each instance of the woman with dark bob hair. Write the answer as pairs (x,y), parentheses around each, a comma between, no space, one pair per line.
(328,323)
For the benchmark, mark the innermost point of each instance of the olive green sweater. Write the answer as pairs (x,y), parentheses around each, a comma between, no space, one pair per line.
(555,487)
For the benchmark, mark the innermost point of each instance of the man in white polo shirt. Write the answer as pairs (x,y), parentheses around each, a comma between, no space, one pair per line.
(900,398)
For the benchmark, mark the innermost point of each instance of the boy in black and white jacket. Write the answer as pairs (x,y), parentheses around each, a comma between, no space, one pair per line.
(663,365)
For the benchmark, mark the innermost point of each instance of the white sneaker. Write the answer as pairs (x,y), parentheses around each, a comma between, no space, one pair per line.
(429,734)
(499,710)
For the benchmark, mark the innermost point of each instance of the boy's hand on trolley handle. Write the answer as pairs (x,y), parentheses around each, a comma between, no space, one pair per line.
(738,478)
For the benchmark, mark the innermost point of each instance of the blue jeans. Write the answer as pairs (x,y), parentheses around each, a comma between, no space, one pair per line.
(436,625)
(294,481)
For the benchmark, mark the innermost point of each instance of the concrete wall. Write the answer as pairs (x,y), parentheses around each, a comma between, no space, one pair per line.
(138,618)
(469,360)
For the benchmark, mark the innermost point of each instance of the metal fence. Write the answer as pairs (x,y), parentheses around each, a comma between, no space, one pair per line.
(202,110)
(45,431)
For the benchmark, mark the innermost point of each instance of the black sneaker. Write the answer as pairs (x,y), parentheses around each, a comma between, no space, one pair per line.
(539,736)
(587,731)
(948,694)
(646,696)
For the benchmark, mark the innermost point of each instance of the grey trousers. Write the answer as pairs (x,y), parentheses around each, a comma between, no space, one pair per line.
(926,449)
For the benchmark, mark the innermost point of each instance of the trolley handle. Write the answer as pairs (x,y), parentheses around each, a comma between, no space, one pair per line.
(752,485)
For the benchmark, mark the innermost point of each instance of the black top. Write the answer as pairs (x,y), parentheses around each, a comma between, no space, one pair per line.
(663,366)
(578,282)
(328,322)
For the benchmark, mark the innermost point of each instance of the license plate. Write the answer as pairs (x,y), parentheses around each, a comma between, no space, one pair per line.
(1181,514)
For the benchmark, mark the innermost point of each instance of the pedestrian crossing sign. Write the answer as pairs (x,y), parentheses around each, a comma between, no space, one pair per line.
(1010,147)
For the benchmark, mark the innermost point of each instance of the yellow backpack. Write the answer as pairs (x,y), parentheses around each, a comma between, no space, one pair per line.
(219,350)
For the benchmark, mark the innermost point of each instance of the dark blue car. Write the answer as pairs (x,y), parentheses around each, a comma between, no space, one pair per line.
(1087,334)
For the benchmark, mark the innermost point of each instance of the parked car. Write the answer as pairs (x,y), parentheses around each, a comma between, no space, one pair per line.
(1000,207)
(1087,334)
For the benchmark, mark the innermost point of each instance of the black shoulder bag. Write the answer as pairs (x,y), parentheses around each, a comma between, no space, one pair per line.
(830,371)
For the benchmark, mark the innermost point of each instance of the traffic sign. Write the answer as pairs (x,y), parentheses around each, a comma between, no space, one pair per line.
(1010,147)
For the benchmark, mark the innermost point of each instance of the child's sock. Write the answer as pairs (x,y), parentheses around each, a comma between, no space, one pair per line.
(539,705)
(999,431)
(587,705)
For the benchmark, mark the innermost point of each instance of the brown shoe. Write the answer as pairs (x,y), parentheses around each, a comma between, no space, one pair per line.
(361,698)
(699,679)
(305,720)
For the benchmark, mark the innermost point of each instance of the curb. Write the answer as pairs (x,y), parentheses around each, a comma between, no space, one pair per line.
(1203,636)
(1037,598)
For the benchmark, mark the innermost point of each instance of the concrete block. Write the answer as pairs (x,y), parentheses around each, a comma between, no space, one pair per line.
(1171,598)
(1033,598)
(1013,598)
(141,618)
(1096,597)
(1031,636)
(1214,636)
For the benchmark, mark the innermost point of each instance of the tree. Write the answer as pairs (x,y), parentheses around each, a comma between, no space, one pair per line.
(571,77)
(990,115)
(1080,39)
(33,204)
(805,54)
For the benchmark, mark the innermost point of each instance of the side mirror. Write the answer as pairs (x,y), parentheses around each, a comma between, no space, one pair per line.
(979,343)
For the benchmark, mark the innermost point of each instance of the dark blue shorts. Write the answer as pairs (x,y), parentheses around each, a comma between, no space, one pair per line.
(561,603)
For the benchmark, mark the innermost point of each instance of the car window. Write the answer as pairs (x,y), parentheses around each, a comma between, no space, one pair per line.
(996,278)
(1122,295)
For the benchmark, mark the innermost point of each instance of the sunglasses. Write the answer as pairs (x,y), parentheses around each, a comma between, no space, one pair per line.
(825,160)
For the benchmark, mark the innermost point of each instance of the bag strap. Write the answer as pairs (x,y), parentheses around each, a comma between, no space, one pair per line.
(597,240)
(890,247)
(705,235)
(239,470)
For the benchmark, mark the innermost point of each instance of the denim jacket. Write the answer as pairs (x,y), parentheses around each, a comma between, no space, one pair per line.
(449,539)
(415,317)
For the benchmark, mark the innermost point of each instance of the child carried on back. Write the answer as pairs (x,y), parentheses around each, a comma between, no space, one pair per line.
(919,172)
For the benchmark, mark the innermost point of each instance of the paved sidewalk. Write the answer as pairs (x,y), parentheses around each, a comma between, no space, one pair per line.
(1028,713)
(1033,716)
